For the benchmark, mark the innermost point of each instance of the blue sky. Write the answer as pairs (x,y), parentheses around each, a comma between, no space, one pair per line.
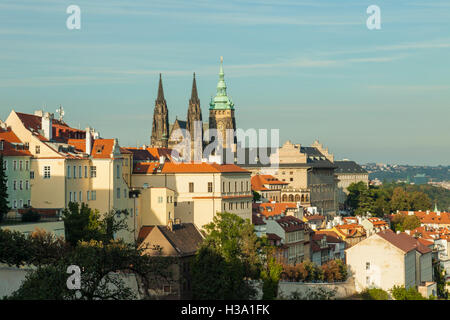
(310,68)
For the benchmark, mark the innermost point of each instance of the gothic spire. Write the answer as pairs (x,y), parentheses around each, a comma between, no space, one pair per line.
(194,93)
(160,90)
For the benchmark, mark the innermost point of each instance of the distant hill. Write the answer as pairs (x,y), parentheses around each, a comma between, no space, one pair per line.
(405,172)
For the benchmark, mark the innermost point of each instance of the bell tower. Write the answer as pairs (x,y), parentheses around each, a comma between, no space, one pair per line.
(221,111)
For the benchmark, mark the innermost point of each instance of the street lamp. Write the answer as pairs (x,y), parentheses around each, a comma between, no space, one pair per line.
(134,194)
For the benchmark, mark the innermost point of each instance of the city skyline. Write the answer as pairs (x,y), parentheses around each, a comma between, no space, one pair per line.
(313,70)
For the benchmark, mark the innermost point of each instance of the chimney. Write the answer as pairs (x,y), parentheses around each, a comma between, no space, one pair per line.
(39,113)
(170,225)
(46,125)
(161,159)
(88,140)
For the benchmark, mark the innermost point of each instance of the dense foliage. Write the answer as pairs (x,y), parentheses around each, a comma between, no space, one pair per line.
(230,255)
(385,199)
(102,262)
(439,278)
(31,216)
(81,223)
(402,222)
(374,294)
(401,293)
(4,204)
(307,271)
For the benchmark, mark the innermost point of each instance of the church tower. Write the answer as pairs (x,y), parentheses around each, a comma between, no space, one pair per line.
(160,127)
(194,112)
(221,110)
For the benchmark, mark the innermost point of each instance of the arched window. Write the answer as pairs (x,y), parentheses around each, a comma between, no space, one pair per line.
(291,198)
(297,198)
(284,198)
(303,198)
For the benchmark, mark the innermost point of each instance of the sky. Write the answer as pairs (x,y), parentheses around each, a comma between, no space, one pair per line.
(311,69)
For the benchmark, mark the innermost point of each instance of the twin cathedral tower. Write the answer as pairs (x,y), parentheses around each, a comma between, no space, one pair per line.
(221,116)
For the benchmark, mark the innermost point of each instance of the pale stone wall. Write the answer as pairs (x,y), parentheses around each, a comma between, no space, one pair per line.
(388,266)
(55,227)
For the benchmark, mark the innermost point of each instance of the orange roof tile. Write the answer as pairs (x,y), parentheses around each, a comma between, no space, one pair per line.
(258,181)
(12,144)
(274,209)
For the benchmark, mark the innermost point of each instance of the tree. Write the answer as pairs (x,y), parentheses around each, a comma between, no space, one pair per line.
(400,200)
(439,277)
(419,201)
(4,204)
(84,224)
(232,247)
(31,216)
(256,196)
(401,222)
(401,293)
(270,275)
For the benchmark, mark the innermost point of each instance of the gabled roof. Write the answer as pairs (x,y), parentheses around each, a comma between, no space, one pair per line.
(346,166)
(185,238)
(12,146)
(258,181)
(403,241)
(102,148)
(290,223)
(332,236)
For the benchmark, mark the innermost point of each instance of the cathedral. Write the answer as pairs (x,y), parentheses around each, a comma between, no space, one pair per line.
(221,118)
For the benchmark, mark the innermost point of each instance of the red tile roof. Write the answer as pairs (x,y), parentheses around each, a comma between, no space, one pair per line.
(290,223)
(102,148)
(332,236)
(257,220)
(143,233)
(274,209)
(258,182)
(403,241)
(12,146)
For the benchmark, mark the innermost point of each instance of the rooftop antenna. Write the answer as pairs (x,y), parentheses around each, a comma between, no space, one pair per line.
(60,110)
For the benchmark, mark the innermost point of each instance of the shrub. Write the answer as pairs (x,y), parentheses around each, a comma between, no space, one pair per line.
(375,294)
(400,293)
(31,216)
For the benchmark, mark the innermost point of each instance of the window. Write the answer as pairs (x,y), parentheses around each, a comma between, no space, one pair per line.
(38,149)
(230,206)
(247,186)
(93,195)
(31,174)
(118,193)
(68,172)
(87,195)
(27,185)
(27,165)
(223,186)
(5,164)
(79,172)
(20,185)
(118,171)
(14,185)
(210,187)
(80,196)
(368,280)
(367,265)
(242,185)
(74,172)
(160,199)
(235,186)
(124,193)
(46,172)
(20,165)
(74,197)
(29,203)
(15,204)
(191,187)
(291,179)
(15,165)
(93,171)
(70,196)
(85,172)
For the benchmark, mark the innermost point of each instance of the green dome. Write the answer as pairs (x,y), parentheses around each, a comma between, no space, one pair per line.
(221,100)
